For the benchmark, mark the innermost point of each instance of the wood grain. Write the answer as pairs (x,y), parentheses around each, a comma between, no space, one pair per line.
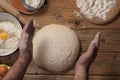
(60,13)
(107,64)
(62,77)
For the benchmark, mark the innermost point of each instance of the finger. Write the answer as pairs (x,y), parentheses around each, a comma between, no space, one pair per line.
(94,45)
(23,42)
(29,27)
(25,35)
(97,39)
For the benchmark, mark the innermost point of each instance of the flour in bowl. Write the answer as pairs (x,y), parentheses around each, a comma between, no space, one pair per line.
(9,36)
(95,8)
(33,3)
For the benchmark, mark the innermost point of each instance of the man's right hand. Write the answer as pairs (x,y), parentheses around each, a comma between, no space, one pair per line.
(86,59)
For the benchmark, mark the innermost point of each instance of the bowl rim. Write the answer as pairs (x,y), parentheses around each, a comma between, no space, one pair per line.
(18,25)
(32,8)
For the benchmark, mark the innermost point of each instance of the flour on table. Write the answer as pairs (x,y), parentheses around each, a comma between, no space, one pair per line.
(95,8)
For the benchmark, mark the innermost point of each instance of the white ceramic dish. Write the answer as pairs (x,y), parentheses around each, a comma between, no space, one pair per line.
(9,17)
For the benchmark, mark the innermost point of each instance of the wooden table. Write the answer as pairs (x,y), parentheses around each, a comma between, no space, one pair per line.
(107,64)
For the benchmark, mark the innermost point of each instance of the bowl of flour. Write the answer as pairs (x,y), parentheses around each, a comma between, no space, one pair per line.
(33,5)
(10,31)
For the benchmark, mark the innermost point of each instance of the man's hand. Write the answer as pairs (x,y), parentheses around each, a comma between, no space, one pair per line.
(86,59)
(25,43)
(19,68)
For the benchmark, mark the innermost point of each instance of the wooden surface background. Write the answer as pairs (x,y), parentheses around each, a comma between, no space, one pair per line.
(107,64)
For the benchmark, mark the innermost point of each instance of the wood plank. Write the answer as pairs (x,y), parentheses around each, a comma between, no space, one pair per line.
(47,77)
(105,64)
(108,56)
(61,12)
(67,77)
(52,16)
(109,39)
(9,60)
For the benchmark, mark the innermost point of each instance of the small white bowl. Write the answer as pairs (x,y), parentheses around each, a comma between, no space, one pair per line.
(9,17)
(31,8)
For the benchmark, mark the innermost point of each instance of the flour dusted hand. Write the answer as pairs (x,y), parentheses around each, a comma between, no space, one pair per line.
(26,41)
(87,58)
(19,68)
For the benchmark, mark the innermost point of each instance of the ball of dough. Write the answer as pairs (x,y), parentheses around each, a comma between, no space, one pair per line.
(55,47)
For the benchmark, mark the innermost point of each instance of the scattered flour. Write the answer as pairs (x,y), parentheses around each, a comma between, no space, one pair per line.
(95,8)
(33,3)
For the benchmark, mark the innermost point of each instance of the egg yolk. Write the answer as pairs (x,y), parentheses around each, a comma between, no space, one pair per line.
(4,35)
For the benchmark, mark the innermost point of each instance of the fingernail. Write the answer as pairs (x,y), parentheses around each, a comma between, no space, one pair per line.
(97,35)
(33,22)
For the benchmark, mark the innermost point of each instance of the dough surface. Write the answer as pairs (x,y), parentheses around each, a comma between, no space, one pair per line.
(55,47)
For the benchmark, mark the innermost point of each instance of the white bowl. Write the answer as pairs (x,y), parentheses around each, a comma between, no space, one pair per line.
(9,17)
